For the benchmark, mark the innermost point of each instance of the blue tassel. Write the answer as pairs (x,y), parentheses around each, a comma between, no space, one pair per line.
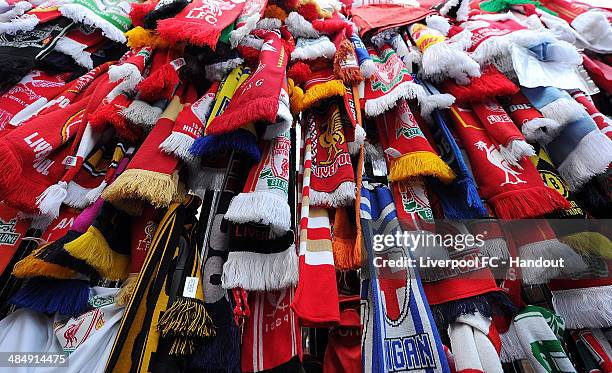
(218,354)
(486,304)
(67,297)
(240,140)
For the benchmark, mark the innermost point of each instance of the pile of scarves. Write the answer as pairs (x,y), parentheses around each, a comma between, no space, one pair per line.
(198,185)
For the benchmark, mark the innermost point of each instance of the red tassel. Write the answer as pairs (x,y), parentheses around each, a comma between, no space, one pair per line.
(99,118)
(299,72)
(248,53)
(139,10)
(177,32)
(332,26)
(263,109)
(160,84)
(309,11)
(529,203)
(491,83)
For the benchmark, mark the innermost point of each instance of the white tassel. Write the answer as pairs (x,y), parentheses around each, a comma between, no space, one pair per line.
(375,157)
(95,193)
(495,248)
(344,195)
(542,130)
(178,144)
(441,61)
(433,102)
(50,201)
(18,10)
(439,23)
(205,179)
(592,25)
(140,112)
(406,90)
(589,158)
(367,68)
(584,308)
(240,33)
(515,151)
(218,71)
(552,249)
(75,50)
(254,271)
(311,49)
(269,24)
(563,111)
(511,349)
(77,196)
(299,27)
(81,14)
(22,24)
(128,74)
(284,119)
(252,42)
(260,207)
(355,146)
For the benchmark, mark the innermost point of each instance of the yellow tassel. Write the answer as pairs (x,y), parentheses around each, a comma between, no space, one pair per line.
(420,163)
(127,289)
(92,247)
(322,91)
(156,187)
(296,95)
(186,317)
(139,37)
(589,243)
(31,266)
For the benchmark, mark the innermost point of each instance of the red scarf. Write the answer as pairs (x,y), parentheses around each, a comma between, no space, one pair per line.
(603,122)
(200,23)
(256,100)
(531,122)
(512,192)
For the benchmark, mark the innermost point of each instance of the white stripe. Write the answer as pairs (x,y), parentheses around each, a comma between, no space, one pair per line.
(318,222)
(319,257)
(255,335)
(260,306)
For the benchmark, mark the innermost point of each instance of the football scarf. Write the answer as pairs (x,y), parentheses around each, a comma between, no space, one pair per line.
(581,302)
(534,126)
(316,296)
(343,351)
(312,49)
(247,20)
(409,152)
(460,199)
(257,99)
(379,17)
(403,332)
(265,196)
(13,231)
(502,130)
(189,123)
(199,24)
(346,66)
(475,344)
(513,193)
(603,122)
(580,151)
(390,83)
(111,18)
(539,331)
(597,345)
(491,83)
(347,253)
(284,340)
(20,52)
(78,43)
(144,179)
(332,181)
(137,339)
(23,100)
(440,59)
(162,10)
(366,64)
(320,85)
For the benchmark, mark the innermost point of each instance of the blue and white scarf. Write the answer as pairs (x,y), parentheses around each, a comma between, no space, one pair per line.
(399,333)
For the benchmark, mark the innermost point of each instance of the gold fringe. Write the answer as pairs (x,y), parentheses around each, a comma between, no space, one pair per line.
(320,92)
(140,37)
(92,247)
(420,163)
(344,256)
(127,289)
(296,94)
(31,266)
(593,243)
(186,317)
(156,187)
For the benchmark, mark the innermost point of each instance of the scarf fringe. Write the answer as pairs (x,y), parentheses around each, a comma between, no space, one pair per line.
(127,289)
(66,297)
(83,15)
(367,68)
(420,163)
(491,51)
(435,102)
(178,144)
(77,196)
(95,193)
(21,24)
(262,208)
(345,256)
(447,313)
(584,307)
(355,146)
(141,113)
(442,61)
(511,349)
(32,266)
(439,23)
(207,179)
(18,9)
(515,151)
(344,195)
(186,317)
(261,272)
(92,247)
(178,32)
(283,121)
(75,50)
(528,203)
(240,33)
(263,109)
(542,130)
(551,249)
(156,187)
(491,83)
(218,71)
(375,157)
(164,10)
(299,27)
(139,37)
(219,353)
(241,140)
(591,157)
(563,111)
(301,100)
(495,248)
(50,201)
(592,25)
(589,243)
(160,84)
(324,48)
(405,90)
